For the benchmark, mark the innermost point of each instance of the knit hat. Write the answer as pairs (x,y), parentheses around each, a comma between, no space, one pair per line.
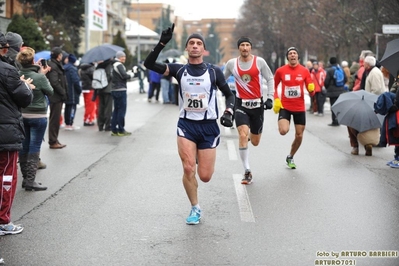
(344,63)
(120,54)
(333,60)
(55,52)
(14,39)
(72,59)
(3,41)
(197,36)
(290,49)
(243,39)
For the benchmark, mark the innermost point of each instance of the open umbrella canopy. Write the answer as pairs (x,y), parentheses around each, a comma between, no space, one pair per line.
(390,59)
(356,109)
(101,53)
(42,55)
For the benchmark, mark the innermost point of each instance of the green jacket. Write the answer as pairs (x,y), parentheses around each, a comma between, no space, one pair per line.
(43,89)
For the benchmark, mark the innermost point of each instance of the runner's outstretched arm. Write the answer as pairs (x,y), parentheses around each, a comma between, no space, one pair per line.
(150,61)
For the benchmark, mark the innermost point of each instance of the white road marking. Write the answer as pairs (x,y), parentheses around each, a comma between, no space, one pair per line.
(244,204)
(231,148)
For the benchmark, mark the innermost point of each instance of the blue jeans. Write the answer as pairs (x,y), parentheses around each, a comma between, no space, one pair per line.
(118,115)
(165,85)
(34,131)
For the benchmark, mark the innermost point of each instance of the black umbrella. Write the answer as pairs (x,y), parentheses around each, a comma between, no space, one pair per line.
(390,59)
(101,53)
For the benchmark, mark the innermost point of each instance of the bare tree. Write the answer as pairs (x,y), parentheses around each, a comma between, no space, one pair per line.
(323,28)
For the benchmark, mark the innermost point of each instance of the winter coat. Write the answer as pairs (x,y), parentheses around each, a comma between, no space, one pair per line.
(14,95)
(347,72)
(318,78)
(375,82)
(359,76)
(119,77)
(371,136)
(107,65)
(57,79)
(86,75)
(73,84)
(329,83)
(39,104)
(391,120)
(11,57)
(353,71)
(155,77)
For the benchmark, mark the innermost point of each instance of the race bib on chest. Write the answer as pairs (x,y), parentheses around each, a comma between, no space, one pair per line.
(292,92)
(251,104)
(195,102)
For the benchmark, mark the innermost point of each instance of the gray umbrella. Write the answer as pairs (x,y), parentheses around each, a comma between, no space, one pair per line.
(101,53)
(356,110)
(390,59)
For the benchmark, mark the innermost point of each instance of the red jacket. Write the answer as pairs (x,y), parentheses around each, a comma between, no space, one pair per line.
(318,78)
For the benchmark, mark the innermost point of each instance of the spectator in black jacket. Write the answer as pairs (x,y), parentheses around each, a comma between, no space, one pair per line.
(58,81)
(86,76)
(15,93)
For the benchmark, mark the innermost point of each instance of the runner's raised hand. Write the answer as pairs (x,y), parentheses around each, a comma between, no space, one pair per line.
(167,34)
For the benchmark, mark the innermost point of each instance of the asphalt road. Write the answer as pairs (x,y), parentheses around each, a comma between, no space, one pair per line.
(120,200)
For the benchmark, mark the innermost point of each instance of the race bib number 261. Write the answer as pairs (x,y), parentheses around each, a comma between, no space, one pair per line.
(195,102)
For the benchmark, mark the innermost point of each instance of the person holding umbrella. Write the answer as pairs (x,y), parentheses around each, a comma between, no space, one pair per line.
(374,83)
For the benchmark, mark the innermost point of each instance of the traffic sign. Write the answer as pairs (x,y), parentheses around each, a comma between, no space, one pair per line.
(390,29)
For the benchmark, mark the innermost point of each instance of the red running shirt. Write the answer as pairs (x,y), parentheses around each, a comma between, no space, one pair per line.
(293,80)
(248,82)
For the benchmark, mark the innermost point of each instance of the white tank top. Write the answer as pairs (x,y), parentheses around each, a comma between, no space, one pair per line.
(198,97)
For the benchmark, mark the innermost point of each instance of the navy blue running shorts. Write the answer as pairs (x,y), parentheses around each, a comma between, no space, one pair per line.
(205,133)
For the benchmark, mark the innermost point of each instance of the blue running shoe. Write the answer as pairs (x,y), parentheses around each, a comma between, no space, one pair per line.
(194,217)
(394,164)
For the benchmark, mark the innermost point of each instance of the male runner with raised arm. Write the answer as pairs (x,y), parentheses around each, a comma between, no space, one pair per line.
(198,132)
